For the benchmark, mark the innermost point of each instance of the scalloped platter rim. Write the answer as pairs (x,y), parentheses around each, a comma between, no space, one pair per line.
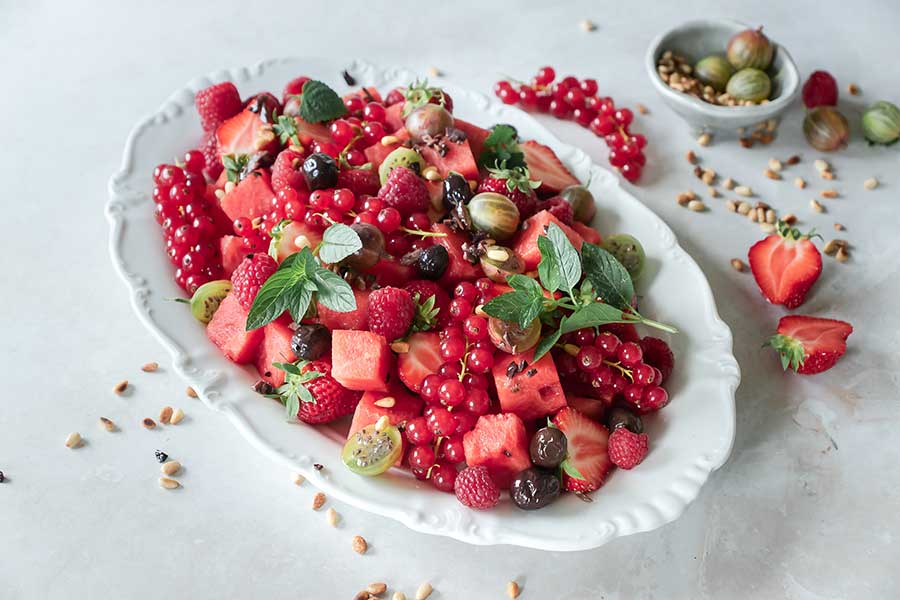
(689,439)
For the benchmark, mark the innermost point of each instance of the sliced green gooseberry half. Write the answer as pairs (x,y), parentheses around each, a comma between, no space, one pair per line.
(206,300)
(628,251)
(370,452)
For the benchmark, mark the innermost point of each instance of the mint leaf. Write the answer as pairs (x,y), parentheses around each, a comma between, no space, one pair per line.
(272,299)
(297,299)
(548,268)
(332,291)
(560,265)
(501,147)
(610,279)
(509,306)
(547,343)
(320,103)
(526,284)
(338,242)
(594,315)
(569,469)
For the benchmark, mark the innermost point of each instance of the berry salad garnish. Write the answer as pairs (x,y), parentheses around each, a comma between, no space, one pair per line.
(382,261)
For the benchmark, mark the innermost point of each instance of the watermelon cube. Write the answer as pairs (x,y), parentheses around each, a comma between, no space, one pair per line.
(275,348)
(355,319)
(459,268)
(525,243)
(361,360)
(376,153)
(251,198)
(394,116)
(588,233)
(227,330)
(499,443)
(390,272)
(533,392)
(406,406)
(457,157)
(233,253)
(474,134)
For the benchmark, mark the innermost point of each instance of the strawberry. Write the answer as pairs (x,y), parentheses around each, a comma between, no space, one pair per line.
(515,184)
(391,312)
(626,448)
(545,166)
(785,265)
(287,171)
(421,360)
(429,289)
(245,134)
(587,464)
(216,104)
(359,181)
(810,345)
(312,395)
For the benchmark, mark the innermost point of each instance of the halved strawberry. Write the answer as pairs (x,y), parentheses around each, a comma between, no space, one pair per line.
(422,359)
(545,166)
(587,464)
(785,265)
(810,345)
(245,134)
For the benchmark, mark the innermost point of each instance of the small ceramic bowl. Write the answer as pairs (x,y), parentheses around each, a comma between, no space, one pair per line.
(697,39)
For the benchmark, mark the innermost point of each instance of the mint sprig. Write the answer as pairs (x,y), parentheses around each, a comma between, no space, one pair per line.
(294,390)
(320,103)
(501,149)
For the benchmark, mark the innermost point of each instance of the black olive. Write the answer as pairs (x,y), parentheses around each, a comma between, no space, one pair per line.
(309,342)
(433,261)
(534,488)
(548,447)
(456,190)
(622,417)
(320,171)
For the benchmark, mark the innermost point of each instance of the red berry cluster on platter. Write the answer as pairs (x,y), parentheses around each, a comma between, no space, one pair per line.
(578,100)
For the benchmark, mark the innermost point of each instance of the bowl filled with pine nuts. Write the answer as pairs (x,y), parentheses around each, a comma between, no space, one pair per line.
(671,66)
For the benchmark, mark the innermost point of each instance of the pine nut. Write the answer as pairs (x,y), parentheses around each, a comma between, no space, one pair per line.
(696,206)
(376,588)
(121,387)
(731,205)
(389,140)
(332,517)
(587,25)
(760,214)
(359,544)
(299,479)
(793,160)
(169,484)
(799,183)
(871,183)
(177,417)
(220,194)
(704,139)
(728,184)
(229,185)
(424,591)
(789,218)
(743,190)
(853,89)
(318,501)
(73,440)
(831,247)
(839,227)
(512,589)
(842,255)
(642,109)
(829,193)
(386,402)
(431,174)
(827,175)
(683,198)
(107,424)
(775,165)
(770,216)
(744,208)
(398,596)
(165,414)
(191,393)
(690,157)
(821,165)
(713,192)
(771,174)
(170,467)
(150,367)
(814,204)
(498,254)
(382,423)
(434,72)
(738,265)
(708,176)
(148,423)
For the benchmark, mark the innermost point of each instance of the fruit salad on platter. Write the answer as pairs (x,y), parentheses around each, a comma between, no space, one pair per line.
(435,282)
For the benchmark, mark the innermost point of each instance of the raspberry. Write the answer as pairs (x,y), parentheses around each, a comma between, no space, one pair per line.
(559,208)
(405,191)
(287,171)
(475,488)
(359,181)
(658,354)
(331,399)
(391,312)
(210,149)
(294,87)
(426,289)
(820,90)
(216,104)
(627,449)
(250,275)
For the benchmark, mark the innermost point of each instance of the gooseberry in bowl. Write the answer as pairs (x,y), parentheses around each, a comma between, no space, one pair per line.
(750,49)
(714,70)
(749,84)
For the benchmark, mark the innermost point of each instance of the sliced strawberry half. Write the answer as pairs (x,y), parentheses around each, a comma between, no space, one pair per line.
(545,166)
(587,465)
(422,359)
(245,134)
(810,345)
(785,265)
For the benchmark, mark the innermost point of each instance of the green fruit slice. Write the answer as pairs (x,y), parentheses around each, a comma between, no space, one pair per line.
(400,157)
(628,251)
(205,301)
(369,452)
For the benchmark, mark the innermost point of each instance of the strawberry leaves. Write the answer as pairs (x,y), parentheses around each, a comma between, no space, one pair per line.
(790,351)
(294,390)
(286,130)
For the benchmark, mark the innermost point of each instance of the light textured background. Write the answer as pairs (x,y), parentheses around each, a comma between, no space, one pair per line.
(807,507)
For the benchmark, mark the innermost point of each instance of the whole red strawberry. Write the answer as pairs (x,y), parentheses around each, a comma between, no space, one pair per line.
(657,354)
(324,399)
(820,90)
(216,104)
(391,312)
(559,208)
(250,275)
(515,185)
(475,488)
(210,150)
(810,345)
(287,171)
(405,191)
(426,289)
(626,448)
(359,181)
(785,265)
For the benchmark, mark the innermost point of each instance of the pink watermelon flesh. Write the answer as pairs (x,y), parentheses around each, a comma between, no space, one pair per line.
(227,331)
(500,444)
(590,407)
(376,153)
(394,116)
(525,244)
(459,268)
(233,253)
(457,158)
(356,319)
(532,393)
(389,272)
(406,407)
(251,198)
(361,360)
(588,233)
(275,348)
(474,134)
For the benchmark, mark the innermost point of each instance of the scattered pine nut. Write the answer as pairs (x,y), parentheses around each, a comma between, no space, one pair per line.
(318,501)
(728,184)
(400,347)
(775,165)
(382,422)
(708,176)
(386,402)
(121,387)
(359,545)
(800,183)
(816,206)
(170,467)
(165,414)
(698,172)
(839,227)
(842,255)
(770,216)
(107,424)
(738,265)
(827,175)
(642,109)
(831,247)
(767,227)
(376,588)
(299,479)
(434,72)
(793,160)
(760,214)
(744,208)
(871,183)
(690,157)
(789,218)
(363,595)
(821,165)
(713,192)
(191,393)
(512,589)
(731,205)
(389,140)
(150,367)
(177,417)
(148,423)
(424,591)
(169,484)
(830,193)
(73,440)
(771,125)
(771,174)
(587,25)
(398,596)
(696,206)
(743,190)
(704,139)
(685,197)
(853,89)
(332,517)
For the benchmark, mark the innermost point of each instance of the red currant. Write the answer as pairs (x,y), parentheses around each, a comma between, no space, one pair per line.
(583,337)
(354,104)
(430,386)
(421,457)
(508,95)
(388,219)
(584,116)
(343,199)
(589,358)
(418,221)
(443,476)
(418,432)
(629,353)
(459,309)
(341,132)
(450,370)
(374,112)
(633,394)
(654,398)
(452,450)
(475,381)
(441,421)
(480,360)
(528,97)
(631,171)
(194,161)
(545,76)
(560,109)
(623,117)
(478,402)
(452,349)
(475,327)
(589,86)
(452,392)
(465,421)
(603,377)
(643,374)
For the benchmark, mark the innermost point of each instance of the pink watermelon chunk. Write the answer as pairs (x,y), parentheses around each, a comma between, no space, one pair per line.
(500,444)
(474,134)
(361,360)
(458,158)
(356,319)
(459,268)
(406,406)
(525,243)
(589,407)
(251,198)
(588,233)
(227,331)
(376,153)
(233,253)
(275,348)
(532,393)
(389,272)
(394,116)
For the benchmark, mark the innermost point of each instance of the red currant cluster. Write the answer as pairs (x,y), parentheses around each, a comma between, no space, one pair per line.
(577,100)
(191,222)
(615,369)
(456,395)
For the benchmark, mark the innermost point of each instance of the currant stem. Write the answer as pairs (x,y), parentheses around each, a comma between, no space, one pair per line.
(421,233)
